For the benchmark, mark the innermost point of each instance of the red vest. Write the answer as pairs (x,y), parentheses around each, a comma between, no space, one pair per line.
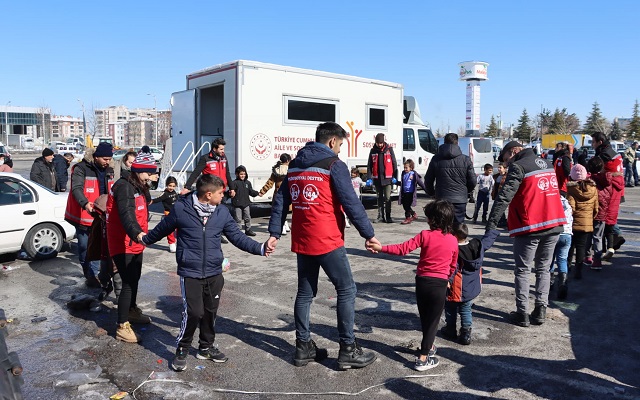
(117,239)
(217,168)
(562,178)
(536,205)
(318,222)
(76,214)
(387,162)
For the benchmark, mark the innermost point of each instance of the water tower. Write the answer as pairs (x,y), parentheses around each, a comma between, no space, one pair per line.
(473,72)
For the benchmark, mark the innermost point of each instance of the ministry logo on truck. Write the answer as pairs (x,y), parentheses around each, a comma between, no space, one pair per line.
(260,146)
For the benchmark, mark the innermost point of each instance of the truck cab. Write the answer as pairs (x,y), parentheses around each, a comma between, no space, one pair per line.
(418,142)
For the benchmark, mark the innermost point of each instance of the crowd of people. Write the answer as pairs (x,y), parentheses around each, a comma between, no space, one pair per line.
(554,210)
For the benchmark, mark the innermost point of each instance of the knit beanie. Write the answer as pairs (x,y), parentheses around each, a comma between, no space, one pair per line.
(104,149)
(144,162)
(47,152)
(578,173)
(380,138)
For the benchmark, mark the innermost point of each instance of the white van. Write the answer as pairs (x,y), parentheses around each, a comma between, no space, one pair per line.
(479,149)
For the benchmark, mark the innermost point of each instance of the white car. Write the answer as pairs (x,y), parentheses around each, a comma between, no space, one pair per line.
(32,218)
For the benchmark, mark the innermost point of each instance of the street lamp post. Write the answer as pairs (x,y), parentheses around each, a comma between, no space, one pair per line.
(155,108)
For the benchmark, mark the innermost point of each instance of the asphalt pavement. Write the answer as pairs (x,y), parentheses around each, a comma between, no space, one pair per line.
(588,347)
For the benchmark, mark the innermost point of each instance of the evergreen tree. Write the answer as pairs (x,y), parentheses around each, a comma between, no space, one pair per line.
(524,131)
(544,121)
(558,124)
(492,130)
(595,121)
(616,132)
(633,130)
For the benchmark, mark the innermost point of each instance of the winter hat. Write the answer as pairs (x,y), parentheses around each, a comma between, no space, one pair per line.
(578,173)
(47,152)
(144,162)
(380,138)
(104,149)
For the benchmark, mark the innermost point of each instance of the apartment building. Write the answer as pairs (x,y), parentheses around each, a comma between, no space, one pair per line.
(63,127)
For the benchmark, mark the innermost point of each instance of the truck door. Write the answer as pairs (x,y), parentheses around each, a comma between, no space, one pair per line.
(183,128)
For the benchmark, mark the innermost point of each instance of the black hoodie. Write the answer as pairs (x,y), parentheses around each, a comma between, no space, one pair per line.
(451,172)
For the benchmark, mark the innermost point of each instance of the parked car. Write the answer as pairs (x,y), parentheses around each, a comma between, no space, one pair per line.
(118,154)
(7,155)
(32,218)
(549,154)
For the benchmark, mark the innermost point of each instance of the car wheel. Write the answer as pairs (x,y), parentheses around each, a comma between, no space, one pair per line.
(43,241)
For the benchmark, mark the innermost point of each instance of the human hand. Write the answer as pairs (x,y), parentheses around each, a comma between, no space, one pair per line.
(369,182)
(140,236)
(373,245)
(184,191)
(232,193)
(89,207)
(270,246)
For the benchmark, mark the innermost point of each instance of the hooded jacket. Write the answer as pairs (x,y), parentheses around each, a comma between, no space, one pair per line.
(243,190)
(584,203)
(61,166)
(278,173)
(341,193)
(466,283)
(42,172)
(450,175)
(199,254)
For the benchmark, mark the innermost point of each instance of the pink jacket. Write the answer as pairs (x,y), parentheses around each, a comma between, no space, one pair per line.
(438,253)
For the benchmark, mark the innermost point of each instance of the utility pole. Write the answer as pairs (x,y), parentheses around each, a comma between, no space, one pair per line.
(6,123)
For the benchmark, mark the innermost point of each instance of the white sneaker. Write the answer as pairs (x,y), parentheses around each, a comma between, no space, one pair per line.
(347,225)
(172,248)
(610,252)
(285,228)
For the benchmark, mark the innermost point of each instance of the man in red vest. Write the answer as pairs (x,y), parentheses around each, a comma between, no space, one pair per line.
(382,171)
(318,186)
(535,222)
(90,178)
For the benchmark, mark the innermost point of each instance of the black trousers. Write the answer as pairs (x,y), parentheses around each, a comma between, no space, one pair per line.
(200,300)
(130,269)
(407,202)
(430,296)
(580,240)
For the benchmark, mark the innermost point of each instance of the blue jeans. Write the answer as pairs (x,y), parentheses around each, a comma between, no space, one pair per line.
(451,308)
(336,265)
(561,253)
(482,200)
(90,269)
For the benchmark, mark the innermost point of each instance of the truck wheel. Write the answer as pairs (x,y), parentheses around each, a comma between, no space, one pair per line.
(43,241)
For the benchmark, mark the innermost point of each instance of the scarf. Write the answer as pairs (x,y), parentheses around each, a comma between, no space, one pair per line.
(203,210)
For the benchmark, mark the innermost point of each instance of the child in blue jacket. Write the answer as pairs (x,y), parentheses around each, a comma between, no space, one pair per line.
(466,284)
(201,221)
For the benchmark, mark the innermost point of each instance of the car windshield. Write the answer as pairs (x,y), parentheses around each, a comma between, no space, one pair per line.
(482,145)
(3,150)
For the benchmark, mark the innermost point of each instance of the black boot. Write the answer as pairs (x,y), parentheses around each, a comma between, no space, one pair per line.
(387,206)
(449,332)
(519,318)
(618,241)
(465,336)
(563,289)
(352,356)
(380,214)
(538,315)
(308,351)
(578,274)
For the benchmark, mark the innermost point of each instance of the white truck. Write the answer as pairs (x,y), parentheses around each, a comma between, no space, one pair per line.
(263,110)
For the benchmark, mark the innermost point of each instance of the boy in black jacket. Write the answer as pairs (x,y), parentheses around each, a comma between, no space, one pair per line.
(242,189)
(200,222)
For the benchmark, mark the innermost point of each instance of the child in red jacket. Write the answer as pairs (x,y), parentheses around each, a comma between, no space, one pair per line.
(438,259)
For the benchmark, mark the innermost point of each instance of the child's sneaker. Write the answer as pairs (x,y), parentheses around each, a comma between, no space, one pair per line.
(588,261)
(346,224)
(172,248)
(179,362)
(610,252)
(213,354)
(430,362)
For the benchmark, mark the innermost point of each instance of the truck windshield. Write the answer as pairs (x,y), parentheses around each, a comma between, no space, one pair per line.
(428,142)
